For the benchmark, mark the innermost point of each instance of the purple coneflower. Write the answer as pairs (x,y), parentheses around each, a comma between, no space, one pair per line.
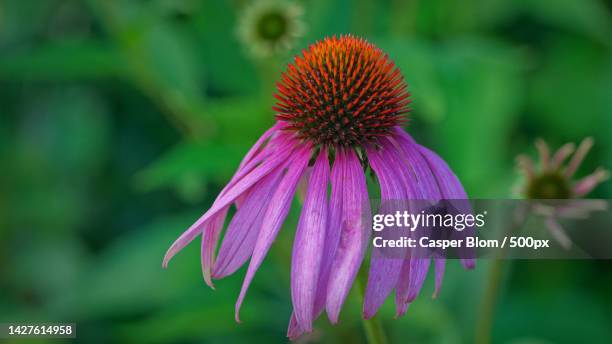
(554,181)
(339,110)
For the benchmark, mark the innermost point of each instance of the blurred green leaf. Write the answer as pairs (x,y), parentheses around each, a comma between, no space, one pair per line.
(571,93)
(242,119)
(588,17)
(418,63)
(70,129)
(191,165)
(532,317)
(482,85)
(161,62)
(61,142)
(64,60)
(226,66)
(128,276)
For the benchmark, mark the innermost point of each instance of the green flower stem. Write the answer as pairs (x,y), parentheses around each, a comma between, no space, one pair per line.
(375,333)
(487,309)
(490,295)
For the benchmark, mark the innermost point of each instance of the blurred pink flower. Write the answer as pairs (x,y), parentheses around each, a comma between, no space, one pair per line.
(554,181)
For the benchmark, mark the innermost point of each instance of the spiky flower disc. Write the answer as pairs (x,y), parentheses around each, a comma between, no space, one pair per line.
(342,91)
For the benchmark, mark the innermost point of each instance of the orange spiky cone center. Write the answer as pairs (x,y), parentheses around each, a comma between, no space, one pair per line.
(342,91)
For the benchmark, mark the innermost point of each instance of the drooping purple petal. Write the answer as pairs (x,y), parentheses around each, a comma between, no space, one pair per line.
(401,290)
(334,224)
(451,189)
(450,186)
(384,271)
(332,237)
(294,330)
(275,215)
(241,234)
(425,184)
(278,141)
(421,184)
(257,147)
(354,236)
(411,190)
(210,237)
(229,195)
(418,272)
(414,271)
(439,267)
(261,150)
(308,244)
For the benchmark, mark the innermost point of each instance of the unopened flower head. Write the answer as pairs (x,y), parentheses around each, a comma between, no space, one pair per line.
(339,111)
(554,180)
(268,27)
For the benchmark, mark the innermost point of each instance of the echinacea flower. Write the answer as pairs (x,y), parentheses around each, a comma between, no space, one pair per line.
(339,110)
(267,27)
(554,181)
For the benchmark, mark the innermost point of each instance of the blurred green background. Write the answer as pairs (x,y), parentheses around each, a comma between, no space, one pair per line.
(120,121)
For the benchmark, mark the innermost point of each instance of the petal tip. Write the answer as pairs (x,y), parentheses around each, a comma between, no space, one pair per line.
(401,310)
(333,317)
(412,295)
(469,264)
(305,324)
(208,279)
(167,257)
(294,331)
